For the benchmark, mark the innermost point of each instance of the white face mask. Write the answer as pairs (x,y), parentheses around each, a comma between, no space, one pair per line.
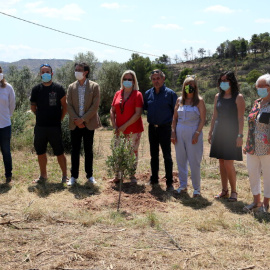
(1,76)
(78,75)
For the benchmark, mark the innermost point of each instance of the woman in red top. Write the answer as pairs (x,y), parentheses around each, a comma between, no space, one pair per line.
(126,111)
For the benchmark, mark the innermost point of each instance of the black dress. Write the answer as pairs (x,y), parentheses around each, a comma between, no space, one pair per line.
(225,131)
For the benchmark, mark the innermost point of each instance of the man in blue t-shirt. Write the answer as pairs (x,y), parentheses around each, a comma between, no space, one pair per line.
(159,101)
(48,103)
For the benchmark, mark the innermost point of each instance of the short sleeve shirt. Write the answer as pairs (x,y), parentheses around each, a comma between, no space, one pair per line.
(135,101)
(48,102)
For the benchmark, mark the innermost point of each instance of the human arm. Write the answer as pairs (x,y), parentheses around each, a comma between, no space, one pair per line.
(214,117)
(174,122)
(64,107)
(202,110)
(12,100)
(113,117)
(133,119)
(240,102)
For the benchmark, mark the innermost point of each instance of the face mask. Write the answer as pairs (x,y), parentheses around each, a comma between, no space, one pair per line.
(189,89)
(78,75)
(224,86)
(262,92)
(1,76)
(127,84)
(46,77)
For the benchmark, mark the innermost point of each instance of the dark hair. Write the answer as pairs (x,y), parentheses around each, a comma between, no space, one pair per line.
(196,97)
(3,82)
(233,83)
(84,66)
(45,65)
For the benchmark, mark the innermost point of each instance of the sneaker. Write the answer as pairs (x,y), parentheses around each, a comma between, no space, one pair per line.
(92,180)
(251,207)
(65,179)
(133,180)
(40,180)
(170,188)
(8,179)
(196,193)
(181,190)
(72,181)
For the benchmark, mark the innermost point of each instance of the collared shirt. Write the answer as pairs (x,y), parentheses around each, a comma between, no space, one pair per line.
(7,105)
(81,94)
(159,107)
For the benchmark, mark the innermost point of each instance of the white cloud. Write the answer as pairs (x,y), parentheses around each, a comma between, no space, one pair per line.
(7,6)
(111,5)
(222,29)
(11,11)
(168,26)
(185,41)
(127,21)
(199,22)
(262,21)
(9,2)
(219,9)
(71,12)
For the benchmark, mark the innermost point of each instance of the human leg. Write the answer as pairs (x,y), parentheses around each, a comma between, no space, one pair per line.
(76,140)
(164,134)
(154,152)
(5,136)
(224,180)
(265,161)
(42,161)
(62,161)
(231,174)
(88,140)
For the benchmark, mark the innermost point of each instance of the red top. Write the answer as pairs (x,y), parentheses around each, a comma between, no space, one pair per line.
(134,101)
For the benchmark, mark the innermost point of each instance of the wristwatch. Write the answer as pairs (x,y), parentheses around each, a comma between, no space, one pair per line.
(240,135)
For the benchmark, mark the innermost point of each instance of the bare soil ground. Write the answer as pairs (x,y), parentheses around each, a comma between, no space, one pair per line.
(52,226)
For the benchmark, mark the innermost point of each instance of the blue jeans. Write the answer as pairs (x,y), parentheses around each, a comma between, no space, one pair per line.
(5,136)
(160,136)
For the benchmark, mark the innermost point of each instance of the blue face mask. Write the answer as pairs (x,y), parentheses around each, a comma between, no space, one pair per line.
(224,86)
(127,84)
(262,92)
(46,77)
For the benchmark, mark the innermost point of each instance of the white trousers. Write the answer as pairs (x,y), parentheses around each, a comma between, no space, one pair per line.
(257,165)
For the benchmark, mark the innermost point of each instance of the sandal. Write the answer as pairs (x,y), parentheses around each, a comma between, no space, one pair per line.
(223,194)
(114,180)
(40,180)
(233,199)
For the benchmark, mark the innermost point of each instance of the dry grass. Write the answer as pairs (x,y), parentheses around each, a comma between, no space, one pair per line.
(55,227)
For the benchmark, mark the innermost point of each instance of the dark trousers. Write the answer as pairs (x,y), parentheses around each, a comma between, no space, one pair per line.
(160,136)
(5,136)
(76,139)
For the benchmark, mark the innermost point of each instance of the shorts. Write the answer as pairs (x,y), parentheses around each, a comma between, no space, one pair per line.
(45,135)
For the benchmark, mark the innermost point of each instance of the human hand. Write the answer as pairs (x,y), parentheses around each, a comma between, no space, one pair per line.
(122,128)
(239,142)
(78,121)
(244,151)
(173,137)
(195,138)
(210,137)
(81,125)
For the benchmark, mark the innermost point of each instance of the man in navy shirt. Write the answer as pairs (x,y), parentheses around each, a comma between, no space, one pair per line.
(159,101)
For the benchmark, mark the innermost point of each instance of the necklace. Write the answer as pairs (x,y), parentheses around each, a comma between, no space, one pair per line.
(122,105)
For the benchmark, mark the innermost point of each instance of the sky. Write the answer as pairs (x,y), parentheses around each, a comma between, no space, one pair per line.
(153,27)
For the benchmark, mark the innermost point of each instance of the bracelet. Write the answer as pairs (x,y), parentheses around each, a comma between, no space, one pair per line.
(240,135)
(198,132)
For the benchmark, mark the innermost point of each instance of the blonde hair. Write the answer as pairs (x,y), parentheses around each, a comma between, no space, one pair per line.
(133,74)
(3,81)
(196,97)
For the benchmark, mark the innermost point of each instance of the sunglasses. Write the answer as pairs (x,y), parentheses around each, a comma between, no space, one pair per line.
(128,80)
(155,72)
(192,76)
(45,65)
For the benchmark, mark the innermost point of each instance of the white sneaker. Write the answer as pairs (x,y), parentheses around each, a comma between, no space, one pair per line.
(72,181)
(92,180)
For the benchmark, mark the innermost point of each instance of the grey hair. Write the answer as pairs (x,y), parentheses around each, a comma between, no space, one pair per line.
(133,74)
(265,77)
(157,71)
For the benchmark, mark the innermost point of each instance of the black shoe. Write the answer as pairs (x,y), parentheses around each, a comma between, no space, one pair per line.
(8,179)
(170,188)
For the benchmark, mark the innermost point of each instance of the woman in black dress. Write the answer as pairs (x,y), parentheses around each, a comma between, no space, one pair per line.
(226,132)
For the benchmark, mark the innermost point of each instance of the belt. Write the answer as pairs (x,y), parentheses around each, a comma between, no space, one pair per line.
(163,125)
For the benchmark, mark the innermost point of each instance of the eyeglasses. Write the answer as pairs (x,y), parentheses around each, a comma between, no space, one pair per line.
(191,76)
(127,79)
(45,65)
(155,71)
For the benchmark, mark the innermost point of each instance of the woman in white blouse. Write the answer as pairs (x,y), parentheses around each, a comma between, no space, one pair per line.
(7,106)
